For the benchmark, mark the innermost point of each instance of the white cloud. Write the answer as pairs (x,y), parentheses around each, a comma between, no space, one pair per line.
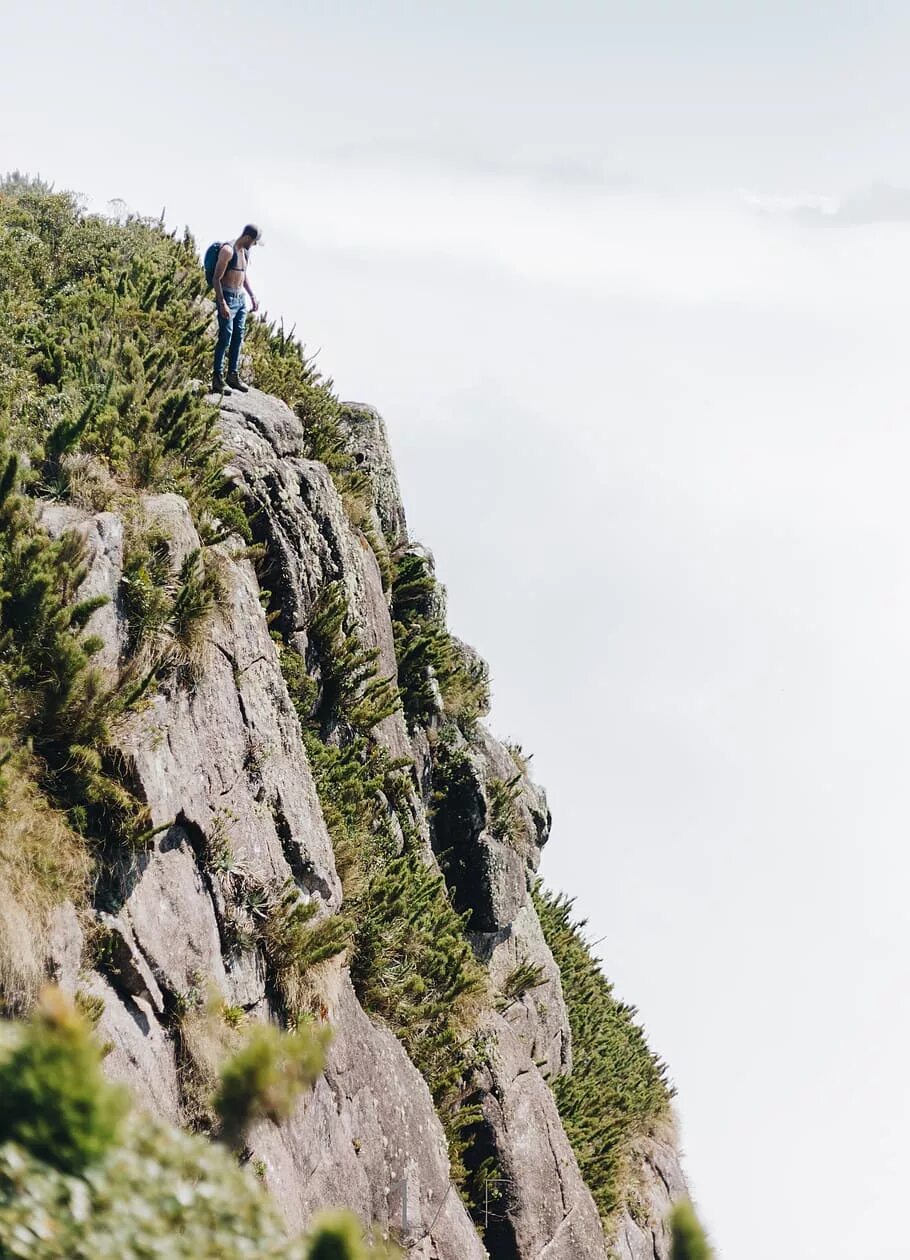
(659,448)
(636,245)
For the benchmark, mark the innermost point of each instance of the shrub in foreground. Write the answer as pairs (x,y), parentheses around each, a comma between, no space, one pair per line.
(54,1102)
(265,1077)
(689,1241)
(82,1179)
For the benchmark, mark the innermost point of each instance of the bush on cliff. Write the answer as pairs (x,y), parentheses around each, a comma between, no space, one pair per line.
(436,674)
(54,701)
(411,963)
(617,1089)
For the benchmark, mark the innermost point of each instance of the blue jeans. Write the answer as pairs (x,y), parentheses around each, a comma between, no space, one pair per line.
(230,331)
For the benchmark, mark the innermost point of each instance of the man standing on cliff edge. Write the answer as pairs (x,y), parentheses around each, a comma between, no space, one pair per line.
(229,281)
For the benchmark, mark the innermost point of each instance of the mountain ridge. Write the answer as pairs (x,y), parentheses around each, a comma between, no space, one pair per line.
(322,826)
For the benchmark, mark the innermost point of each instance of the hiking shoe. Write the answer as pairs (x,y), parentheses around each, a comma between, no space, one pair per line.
(218,385)
(236,383)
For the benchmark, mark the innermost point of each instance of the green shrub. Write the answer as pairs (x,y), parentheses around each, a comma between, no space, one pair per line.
(351,691)
(42,863)
(689,1241)
(434,670)
(80,1178)
(357,786)
(337,1236)
(54,699)
(167,608)
(281,366)
(411,963)
(294,942)
(302,687)
(265,1077)
(617,1090)
(502,798)
(54,1102)
(413,967)
(524,977)
(520,757)
(161,1193)
(146,581)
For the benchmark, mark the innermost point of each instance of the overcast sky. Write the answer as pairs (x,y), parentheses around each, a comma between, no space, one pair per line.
(630,284)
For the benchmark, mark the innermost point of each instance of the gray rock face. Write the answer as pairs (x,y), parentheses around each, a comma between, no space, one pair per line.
(217,755)
(642,1233)
(299,518)
(142,1053)
(546,1210)
(369,443)
(489,829)
(125,960)
(537,1017)
(531,828)
(367,1138)
(221,766)
(482,862)
(65,945)
(223,760)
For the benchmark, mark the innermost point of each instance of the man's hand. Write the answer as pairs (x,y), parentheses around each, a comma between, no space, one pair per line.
(224,310)
(254,303)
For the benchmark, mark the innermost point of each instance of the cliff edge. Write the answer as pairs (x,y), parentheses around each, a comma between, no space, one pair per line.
(297,812)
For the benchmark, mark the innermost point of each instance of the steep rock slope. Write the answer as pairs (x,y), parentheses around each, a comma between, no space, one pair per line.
(254,781)
(224,756)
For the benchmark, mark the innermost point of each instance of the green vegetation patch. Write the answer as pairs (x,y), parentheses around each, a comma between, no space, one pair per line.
(266,1075)
(689,1239)
(102,333)
(617,1090)
(411,963)
(435,671)
(54,1101)
(80,1178)
(54,701)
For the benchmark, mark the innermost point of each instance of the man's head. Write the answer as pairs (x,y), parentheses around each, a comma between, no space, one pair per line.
(251,235)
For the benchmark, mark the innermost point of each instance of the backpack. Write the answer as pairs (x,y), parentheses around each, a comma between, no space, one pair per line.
(210,260)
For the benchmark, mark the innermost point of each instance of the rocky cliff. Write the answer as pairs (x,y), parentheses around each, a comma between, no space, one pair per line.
(330,832)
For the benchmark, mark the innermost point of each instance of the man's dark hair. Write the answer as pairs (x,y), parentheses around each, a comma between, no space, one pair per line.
(252,230)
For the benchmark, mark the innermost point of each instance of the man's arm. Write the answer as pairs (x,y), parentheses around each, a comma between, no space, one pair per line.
(224,257)
(246,285)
